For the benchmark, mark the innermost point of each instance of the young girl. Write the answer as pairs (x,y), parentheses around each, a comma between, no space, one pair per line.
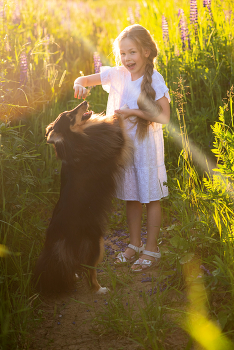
(138,94)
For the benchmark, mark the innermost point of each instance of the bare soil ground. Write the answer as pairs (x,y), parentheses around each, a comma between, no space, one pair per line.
(67,321)
(71,321)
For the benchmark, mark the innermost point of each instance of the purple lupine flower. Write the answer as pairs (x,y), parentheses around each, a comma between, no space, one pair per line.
(165,29)
(2,10)
(23,68)
(16,14)
(131,16)
(97,62)
(207,4)
(137,12)
(183,28)
(205,269)
(193,12)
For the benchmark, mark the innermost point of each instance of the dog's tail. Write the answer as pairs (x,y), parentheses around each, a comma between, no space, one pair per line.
(55,268)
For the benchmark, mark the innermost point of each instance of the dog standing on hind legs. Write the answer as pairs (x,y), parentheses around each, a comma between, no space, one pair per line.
(93,150)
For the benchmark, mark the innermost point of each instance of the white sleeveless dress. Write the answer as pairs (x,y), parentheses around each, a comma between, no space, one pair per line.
(145,179)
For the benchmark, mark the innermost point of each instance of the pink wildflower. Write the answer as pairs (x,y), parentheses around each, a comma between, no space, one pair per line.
(131,16)
(165,29)
(97,62)
(183,28)
(23,68)
(193,12)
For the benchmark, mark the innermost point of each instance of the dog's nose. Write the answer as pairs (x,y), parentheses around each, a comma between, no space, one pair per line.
(83,104)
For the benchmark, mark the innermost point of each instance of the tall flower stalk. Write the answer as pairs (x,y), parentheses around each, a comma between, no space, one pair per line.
(183,29)
(137,12)
(131,16)
(165,30)
(16,18)
(207,5)
(97,62)
(193,13)
(23,68)
(2,13)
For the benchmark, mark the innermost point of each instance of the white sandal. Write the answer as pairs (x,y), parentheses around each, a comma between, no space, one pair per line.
(149,263)
(124,259)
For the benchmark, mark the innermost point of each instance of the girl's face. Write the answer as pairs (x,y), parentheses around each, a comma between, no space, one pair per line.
(132,58)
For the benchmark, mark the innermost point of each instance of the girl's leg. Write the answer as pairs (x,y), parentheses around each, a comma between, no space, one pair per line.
(134,214)
(153,228)
(153,225)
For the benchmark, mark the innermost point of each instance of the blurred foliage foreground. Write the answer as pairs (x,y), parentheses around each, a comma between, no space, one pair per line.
(44,46)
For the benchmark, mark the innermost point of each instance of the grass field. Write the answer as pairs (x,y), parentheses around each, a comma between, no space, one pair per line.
(46,45)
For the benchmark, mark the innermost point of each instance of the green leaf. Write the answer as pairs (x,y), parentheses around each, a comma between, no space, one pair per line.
(216,272)
(222,318)
(179,242)
(169,228)
(186,258)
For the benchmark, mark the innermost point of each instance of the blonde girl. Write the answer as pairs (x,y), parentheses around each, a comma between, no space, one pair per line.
(138,94)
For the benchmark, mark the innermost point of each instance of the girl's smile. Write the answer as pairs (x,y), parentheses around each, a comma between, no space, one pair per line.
(132,58)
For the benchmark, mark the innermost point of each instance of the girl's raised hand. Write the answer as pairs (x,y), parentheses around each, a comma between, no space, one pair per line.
(80,91)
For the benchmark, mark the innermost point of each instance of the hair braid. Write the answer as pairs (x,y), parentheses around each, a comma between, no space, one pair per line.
(148,94)
(146,99)
(147,81)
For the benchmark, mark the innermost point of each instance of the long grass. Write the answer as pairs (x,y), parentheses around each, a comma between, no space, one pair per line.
(44,46)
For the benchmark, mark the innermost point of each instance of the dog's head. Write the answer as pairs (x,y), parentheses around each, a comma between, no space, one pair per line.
(82,138)
(65,128)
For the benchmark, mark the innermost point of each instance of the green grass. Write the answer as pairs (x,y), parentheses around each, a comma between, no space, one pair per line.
(197,217)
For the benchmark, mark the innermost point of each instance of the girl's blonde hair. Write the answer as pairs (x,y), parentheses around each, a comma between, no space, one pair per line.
(144,41)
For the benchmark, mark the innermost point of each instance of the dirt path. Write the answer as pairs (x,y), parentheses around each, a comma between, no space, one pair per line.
(71,321)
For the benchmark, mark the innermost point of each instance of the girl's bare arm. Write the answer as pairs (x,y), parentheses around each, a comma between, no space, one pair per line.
(159,113)
(81,82)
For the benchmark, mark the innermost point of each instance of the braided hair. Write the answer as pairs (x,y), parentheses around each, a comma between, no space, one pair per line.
(146,99)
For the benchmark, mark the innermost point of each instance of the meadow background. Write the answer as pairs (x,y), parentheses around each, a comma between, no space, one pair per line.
(46,45)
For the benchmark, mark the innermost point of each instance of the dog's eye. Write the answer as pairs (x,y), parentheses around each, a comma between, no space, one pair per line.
(49,128)
(72,119)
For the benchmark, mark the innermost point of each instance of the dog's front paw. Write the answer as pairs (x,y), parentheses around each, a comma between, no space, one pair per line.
(103,290)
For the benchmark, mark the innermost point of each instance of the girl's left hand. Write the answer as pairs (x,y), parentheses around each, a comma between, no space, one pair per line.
(123,113)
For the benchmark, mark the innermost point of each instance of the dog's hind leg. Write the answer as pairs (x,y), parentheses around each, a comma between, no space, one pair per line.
(91,273)
(94,283)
